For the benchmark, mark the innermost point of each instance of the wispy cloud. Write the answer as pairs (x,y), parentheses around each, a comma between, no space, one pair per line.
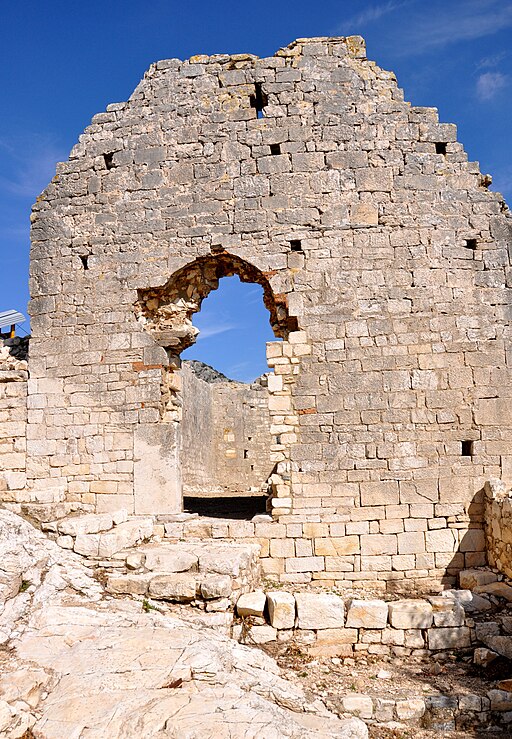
(489,84)
(214,329)
(30,162)
(491,61)
(375,12)
(457,21)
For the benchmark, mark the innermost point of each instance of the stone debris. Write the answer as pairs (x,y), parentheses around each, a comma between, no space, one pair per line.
(251,604)
(79,662)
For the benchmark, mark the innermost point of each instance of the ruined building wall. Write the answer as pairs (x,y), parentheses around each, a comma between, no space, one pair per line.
(13,418)
(369,229)
(225,436)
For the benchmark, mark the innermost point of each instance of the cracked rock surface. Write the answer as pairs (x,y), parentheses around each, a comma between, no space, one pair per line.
(76,663)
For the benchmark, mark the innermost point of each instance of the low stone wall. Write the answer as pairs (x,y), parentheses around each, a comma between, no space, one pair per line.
(327,625)
(13,417)
(498,525)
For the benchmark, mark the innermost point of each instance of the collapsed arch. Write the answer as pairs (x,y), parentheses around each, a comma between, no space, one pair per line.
(167,311)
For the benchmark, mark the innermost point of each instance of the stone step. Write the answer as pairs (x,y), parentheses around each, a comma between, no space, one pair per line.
(190,526)
(187,571)
(101,535)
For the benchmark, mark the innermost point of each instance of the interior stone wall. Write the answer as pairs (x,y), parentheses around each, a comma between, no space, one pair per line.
(225,436)
(373,233)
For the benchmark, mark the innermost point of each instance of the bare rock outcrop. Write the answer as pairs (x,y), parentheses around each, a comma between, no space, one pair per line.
(79,663)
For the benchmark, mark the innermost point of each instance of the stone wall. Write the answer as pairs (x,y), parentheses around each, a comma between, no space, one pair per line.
(225,435)
(385,267)
(13,418)
(498,525)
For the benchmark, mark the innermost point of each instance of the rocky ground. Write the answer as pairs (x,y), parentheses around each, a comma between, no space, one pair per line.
(78,663)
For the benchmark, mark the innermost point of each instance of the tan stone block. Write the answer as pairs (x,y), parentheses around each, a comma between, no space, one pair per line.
(378,544)
(338,546)
(411,542)
(441,540)
(282,548)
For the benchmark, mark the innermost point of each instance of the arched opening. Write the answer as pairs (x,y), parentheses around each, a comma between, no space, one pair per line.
(229,446)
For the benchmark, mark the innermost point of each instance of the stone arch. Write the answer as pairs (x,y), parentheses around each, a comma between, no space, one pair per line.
(166,313)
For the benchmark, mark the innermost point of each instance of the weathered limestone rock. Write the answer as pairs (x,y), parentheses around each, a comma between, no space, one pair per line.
(411,614)
(319,611)
(281,609)
(500,589)
(501,700)
(483,656)
(251,604)
(470,579)
(262,634)
(179,587)
(131,584)
(169,559)
(216,586)
(359,704)
(413,708)
(447,612)
(449,638)
(367,614)
(91,523)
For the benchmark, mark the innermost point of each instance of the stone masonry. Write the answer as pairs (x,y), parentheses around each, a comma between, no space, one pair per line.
(385,265)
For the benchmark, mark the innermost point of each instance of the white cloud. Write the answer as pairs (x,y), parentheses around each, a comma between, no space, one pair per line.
(489,84)
(31,160)
(457,21)
(374,12)
(215,329)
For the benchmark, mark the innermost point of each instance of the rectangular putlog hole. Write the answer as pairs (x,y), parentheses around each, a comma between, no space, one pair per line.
(467,448)
(470,244)
(275,149)
(296,245)
(441,148)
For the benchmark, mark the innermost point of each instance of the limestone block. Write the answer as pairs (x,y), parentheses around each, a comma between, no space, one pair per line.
(263,634)
(501,700)
(358,704)
(87,544)
(483,656)
(367,614)
(91,523)
(216,586)
(440,540)
(378,544)
(472,540)
(447,612)
(251,604)
(449,638)
(125,535)
(179,587)
(319,611)
(135,560)
(66,542)
(471,602)
(281,609)
(411,614)
(500,589)
(130,584)
(337,546)
(412,708)
(411,542)
(413,638)
(469,579)
(6,715)
(163,559)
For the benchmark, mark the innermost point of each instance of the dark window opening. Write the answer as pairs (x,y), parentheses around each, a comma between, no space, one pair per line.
(259,100)
(296,245)
(471,244)
(467,448)
(275,149)
(241,508)
(85,261)
(109,160)
(441,148)
(278,439)
(246,454)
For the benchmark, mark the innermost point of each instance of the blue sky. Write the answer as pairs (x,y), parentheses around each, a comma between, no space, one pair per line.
(64,61)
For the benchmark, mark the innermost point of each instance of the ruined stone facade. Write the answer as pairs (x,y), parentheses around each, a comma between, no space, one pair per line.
(385,265)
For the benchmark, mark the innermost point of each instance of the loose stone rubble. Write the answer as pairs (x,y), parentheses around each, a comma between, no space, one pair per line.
(76,662)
